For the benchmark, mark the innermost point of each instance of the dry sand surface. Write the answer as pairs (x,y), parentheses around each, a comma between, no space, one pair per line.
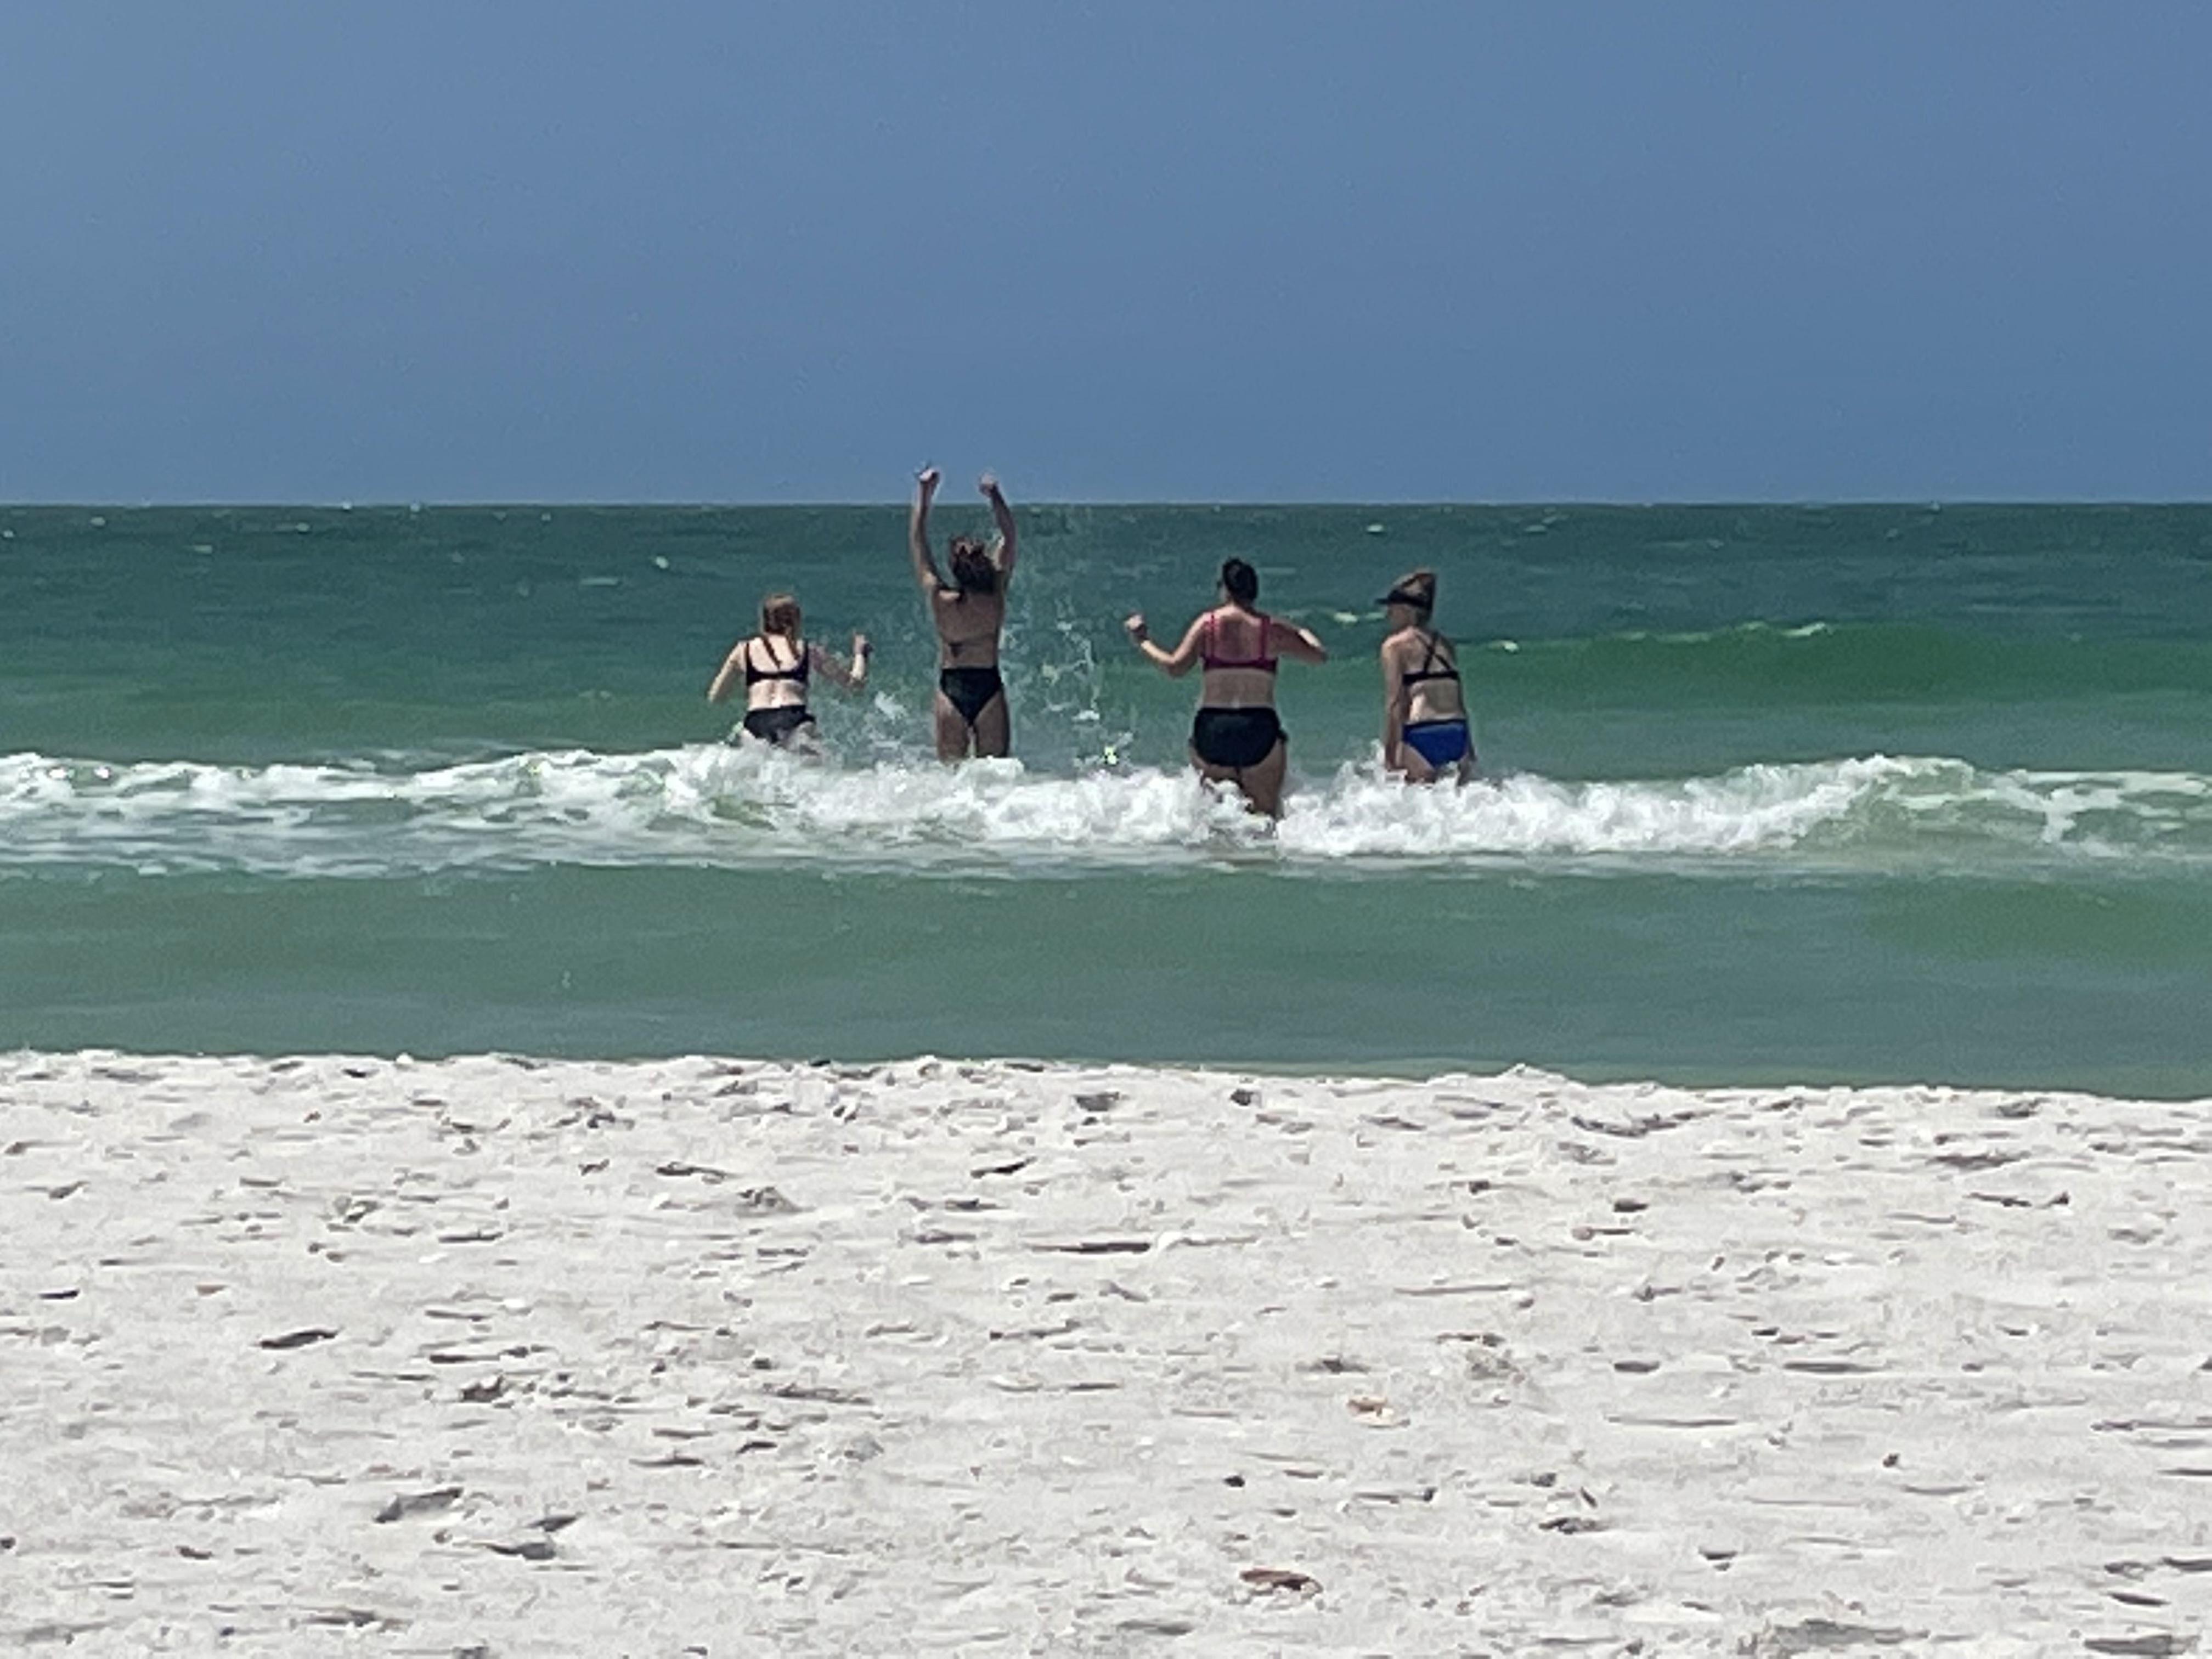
(496,1356)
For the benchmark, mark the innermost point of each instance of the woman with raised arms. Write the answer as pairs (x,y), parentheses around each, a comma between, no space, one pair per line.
(773,666)
(1237,736)
(970,714)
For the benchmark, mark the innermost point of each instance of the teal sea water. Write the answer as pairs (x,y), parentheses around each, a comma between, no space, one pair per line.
(1851,794)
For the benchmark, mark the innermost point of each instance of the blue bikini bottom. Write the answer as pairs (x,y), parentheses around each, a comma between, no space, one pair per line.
(1440,743)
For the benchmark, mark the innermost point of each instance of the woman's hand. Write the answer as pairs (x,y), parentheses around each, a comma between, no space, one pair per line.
(1134,626)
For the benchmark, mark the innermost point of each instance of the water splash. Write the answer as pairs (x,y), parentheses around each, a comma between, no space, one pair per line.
(715,805)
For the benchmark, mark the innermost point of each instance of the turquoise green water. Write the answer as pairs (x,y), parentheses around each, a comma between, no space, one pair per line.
(1775,793)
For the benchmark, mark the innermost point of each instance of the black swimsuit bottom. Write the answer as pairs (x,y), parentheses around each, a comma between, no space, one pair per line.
(969,691)
(1235,738)
(776,725)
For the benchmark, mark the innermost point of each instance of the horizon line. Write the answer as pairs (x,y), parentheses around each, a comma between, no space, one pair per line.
(1924,504)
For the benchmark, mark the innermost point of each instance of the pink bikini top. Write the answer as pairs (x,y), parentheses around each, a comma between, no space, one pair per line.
(1209,657)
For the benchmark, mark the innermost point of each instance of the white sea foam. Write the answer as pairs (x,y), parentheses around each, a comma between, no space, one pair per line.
(715,806)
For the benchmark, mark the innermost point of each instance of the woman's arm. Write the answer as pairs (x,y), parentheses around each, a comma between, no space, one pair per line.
(853,677)
(1003,517)
(1395,704)
(726,676)
(917,532)
(1175,663)
(1292,640)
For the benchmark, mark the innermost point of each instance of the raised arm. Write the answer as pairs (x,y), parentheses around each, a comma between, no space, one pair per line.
(1003,517)
(852,677)
(917,532)
(1292,640)
(1175,663)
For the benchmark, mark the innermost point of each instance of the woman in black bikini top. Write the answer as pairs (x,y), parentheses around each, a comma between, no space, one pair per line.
(773,665)
(1237,736)
(1424,728)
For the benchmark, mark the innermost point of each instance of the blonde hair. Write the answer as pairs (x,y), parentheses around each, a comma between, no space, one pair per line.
(780,615)
(1416,589)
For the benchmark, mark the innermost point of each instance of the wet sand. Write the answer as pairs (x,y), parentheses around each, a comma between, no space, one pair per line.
(505,1357)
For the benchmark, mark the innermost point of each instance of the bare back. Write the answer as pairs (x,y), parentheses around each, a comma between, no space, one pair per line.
(968,626)
(1422,666)
(1236,654)
(775,671)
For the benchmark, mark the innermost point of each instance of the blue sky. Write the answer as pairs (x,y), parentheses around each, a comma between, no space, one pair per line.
(1265,251)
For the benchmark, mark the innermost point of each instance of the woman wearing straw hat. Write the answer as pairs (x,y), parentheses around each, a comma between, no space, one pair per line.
(1425,730)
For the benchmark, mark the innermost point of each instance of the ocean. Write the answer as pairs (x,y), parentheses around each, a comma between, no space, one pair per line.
(1771,794)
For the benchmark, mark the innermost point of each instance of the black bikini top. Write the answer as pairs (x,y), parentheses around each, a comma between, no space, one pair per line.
(796,671)
(1448,672)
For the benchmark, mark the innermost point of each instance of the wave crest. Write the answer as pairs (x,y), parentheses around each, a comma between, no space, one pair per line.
(717,806)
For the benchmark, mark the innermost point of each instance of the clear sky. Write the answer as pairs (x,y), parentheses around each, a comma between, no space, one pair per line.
(746,250)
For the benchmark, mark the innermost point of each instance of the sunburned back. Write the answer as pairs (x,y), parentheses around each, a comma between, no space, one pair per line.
(967,627)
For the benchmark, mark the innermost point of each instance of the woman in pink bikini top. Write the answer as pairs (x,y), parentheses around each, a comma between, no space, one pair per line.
(1237,736)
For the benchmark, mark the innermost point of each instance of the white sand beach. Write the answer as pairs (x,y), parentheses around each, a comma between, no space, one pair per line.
(504,1356)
